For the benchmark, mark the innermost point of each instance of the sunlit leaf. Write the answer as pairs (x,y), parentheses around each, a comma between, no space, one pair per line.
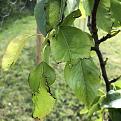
(70,43)
(43,103)
(13,51)
(118,83)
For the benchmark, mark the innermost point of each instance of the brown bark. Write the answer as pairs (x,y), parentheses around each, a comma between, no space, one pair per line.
(38,47)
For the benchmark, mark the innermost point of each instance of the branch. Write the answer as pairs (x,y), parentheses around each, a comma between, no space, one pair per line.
(115,79)
(89,23)
(108,36)
(38,47)
(94,31)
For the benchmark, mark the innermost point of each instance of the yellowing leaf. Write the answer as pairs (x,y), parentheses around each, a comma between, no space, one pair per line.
(13,51)
(43,103)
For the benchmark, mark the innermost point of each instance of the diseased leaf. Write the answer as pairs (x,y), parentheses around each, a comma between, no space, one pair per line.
(84,78)
(53,12)
(13,51)
(70,43)
(43,103)
(43,72)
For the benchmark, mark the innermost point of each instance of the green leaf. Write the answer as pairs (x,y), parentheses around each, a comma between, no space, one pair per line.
(53,12)
(115,114)
(118,83)
(71,18)
(48,15)
(99,118)
(71,6)
(84,111)
(116,11)
(43,72)
(104,20)
(96,107)
(88,5)
(43,103)
(46,53)
(13,51)
(70,43)
(40,16)
(34,80)
(113,99)
(84,78)
(63,5)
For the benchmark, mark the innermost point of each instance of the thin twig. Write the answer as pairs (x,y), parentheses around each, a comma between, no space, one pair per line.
(115,79)
(108,36)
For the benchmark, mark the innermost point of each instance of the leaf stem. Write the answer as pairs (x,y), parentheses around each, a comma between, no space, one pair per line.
(108,36)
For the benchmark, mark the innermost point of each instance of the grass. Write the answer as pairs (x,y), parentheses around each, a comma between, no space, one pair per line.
(15,95)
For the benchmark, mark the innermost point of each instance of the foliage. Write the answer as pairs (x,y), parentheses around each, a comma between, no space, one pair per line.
(13,51)
(73,46)
(11,8)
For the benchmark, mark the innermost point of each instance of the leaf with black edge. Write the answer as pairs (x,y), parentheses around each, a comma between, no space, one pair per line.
(38,76)
(43,103)
(68,21)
